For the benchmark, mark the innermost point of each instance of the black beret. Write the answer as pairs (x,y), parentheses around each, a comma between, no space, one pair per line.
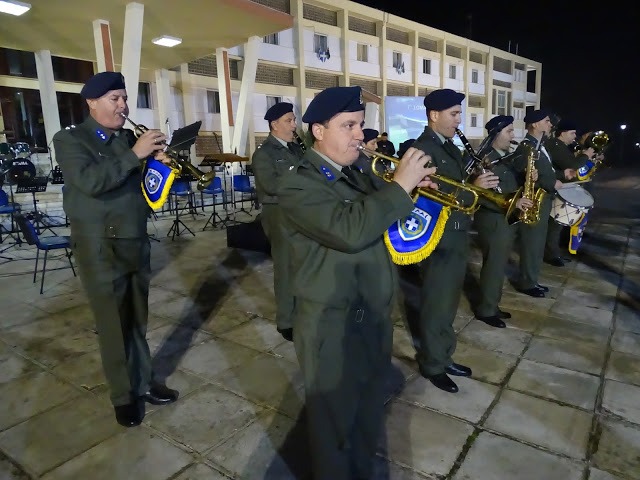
(404,146)
(369,134)
(535,116)
(499,122)
(102,83)
(442,99)
(278,110)
(332,101)
(564,125)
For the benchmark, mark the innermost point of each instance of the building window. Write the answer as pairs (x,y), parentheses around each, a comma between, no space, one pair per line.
(474,76)
(213,101)
(426,66)
(452,72)
(363,52)
(397,59)
(144,95)
(319,43)
(271,39)
(271,101)
(502,102)
(474,120)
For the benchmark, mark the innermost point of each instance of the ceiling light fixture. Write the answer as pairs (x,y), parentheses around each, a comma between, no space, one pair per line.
(167,41)
(14,7)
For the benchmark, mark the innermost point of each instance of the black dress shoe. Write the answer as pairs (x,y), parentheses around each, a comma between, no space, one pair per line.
(503,315)
(492,321)
(443,382)
(555,261)
(130,415)
(287,333)
(565,259)
(458,370)
(542,287)
(160,395)
(532,292)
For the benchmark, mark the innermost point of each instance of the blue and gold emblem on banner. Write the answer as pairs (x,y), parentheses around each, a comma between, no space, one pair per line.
(586,170)
(412,238)
(577,229)
(157,179)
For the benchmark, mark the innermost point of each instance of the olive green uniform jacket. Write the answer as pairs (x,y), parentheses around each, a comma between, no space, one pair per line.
(444,270)
(532,237)
(108,214)
(495,238)
(270,162)
(343,286)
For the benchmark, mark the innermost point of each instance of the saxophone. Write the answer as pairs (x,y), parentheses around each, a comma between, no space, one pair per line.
(531,216)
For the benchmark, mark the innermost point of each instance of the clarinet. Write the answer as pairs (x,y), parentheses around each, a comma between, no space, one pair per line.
(300,142)
(476,163)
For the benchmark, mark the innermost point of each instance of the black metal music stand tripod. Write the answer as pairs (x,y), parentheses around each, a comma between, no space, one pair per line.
(13,233)
(35,185)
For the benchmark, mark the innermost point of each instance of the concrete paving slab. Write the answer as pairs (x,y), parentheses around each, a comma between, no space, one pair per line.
(520,301)
(258,334)
(200,471)
(12,471)
(422,439)
(203,419)
(626,342)
(486,365)
(42,442)
(618,449)
(470,403)
(596,474)
(31,394)
(627,318)
(523,320)
(13,366)
(83,370)
(573,355)
(569,310)
(624,368)
(561,329)
(567,386)
(505,340)
(140,454)
(270,448)
(18,313)
(287,351)
(511,460)
(561,429)
(622,399)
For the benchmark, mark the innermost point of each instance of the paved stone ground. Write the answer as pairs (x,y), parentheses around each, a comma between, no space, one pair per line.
(554,396)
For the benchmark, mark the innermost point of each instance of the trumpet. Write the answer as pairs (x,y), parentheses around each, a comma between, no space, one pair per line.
(204,179)
(447,199)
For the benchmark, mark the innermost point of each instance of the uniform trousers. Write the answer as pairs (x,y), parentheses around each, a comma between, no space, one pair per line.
(531,242)
(345,355)
(115,274)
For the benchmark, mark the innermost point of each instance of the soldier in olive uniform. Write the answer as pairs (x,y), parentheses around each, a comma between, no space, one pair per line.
(566,165)
(495,234)
(344,282)
(532,237)
(444,270)
(101,163)
(364,161)
(276,156)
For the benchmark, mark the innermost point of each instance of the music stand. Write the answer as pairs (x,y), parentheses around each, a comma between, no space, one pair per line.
(228,159)
(35,185)
(182,139)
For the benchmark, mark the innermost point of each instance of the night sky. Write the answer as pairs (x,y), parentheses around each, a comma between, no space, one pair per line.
(590,52)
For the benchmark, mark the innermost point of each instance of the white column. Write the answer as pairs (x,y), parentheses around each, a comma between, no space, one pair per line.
(245,112)
(188,101)
(343,24)
(104,50)
(131,46)
(415,36)
(226,108)
(298,43)
(163,92)
(371,110)
(382,34)
(44,69)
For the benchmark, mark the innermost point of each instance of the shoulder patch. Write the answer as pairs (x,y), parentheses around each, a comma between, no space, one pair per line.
(327,172)
(101,135)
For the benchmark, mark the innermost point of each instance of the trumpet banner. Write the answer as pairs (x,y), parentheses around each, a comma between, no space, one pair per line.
(157,179)
(577,230)
(586,170)
(412,238)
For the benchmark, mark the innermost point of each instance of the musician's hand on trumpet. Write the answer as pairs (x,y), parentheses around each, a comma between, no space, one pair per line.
(414,170)
(486,180)
(524,204)
(162,157)
(149,142)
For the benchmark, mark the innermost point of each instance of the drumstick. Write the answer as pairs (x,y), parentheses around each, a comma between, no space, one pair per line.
(567,185)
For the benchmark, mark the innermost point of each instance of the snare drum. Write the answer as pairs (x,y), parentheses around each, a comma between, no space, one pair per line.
(570,203)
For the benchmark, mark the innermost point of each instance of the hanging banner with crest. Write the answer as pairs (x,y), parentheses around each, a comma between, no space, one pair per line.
(577,230)
(157,179)
(412,238)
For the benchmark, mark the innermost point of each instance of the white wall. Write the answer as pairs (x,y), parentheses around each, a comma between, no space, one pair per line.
(518,95)
(504,77)
(284,52)
(311,58)
(371,68)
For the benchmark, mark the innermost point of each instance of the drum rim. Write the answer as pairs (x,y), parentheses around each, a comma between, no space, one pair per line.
(558,196)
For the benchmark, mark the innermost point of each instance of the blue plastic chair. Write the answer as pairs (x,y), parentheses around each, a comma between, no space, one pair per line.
(242,184)
(43,243)
(8,208)
(213,189)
